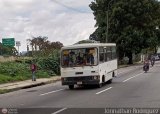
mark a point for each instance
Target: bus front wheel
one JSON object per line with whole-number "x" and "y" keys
{"x": 110, "y": 81}
{"x": 71, "y": 86}
{"x": 99, "y": 85}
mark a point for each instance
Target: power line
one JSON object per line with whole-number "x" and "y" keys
{"x": 68, "y": 7}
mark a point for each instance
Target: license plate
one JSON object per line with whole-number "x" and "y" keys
{"x": 79, "y": 82}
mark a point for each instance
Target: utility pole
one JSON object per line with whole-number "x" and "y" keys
{"x": 107, "y": 27}
{"x": 18, "y": 43}
{"x": 107, "y": 12}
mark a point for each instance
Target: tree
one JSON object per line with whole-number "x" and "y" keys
{"x": 41, "y": 44}
{"x": 85, "y": 41}
{"x": 131, "y": 24}
{"x": 38, "y": 42}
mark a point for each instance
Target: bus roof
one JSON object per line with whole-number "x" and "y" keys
{"x": 88, "y": 45}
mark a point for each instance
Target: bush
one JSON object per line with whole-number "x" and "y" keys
{"x": 20, "y": 69}
{"x": 42, "y": 74}
{"x": 50, "y": 64}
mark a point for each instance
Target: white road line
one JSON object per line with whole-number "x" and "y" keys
{"x": 51, "y": 92}
{"x": 133, "y": 77}
{"x": 103, "y": 90}
{"x": 59, "y": 111}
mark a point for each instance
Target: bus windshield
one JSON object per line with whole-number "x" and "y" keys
{"x": 79, "y": 57}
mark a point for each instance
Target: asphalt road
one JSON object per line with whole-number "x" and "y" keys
{"x": 132, "y": 88}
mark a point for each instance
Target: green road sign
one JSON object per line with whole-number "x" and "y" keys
{"x": 8, "y": 41}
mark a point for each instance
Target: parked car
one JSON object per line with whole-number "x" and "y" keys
{"x": 157, "y": 56}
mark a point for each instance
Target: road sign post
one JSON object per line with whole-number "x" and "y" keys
{"x": 18, "y": 43}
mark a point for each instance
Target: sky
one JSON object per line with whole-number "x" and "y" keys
{"x": 67, "y": 21}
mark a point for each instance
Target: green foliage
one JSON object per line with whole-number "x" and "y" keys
{"x": 41, "y": 46}
{"x": 86, "y": 41}
{"x": 2, "y": 91}
{"x": 42, "y": 74}
{"x": 7, "y": 50}
{"x": 51, "y": 64}
{"x": 131, "y": 26}
{"x": 20, "y": 69}
{"x": 14, "y": 69}
{"x": 7, "y": 78}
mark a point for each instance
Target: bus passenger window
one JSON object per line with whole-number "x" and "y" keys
{"x": 79, "y": 59}
{"x": 72, "y": 58}
{"x": 101, "y": 57}
{"x": 109, "y": 54}
{"x": 65, "y": 60}
{"x": 91, "y": 59}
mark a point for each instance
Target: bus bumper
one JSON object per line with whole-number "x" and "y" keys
{"x": 89, "y": 80}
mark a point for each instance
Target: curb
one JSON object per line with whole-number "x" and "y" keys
{"x": 40, "y": 83}
{"x": 29, "y": 86}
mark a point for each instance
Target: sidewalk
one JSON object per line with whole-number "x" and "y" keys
{"x": 27, "y": 83}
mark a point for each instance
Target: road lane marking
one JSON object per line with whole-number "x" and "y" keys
{"x": 133, "y": 77}
{"x": 103, "y": 90}
{"x": 136, "y": 75}
{"x": 59, "y": 111}
{"x": 51, "y": 92}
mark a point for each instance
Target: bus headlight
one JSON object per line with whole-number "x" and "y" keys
{"x": 63, "y": 79}
{"x": 96, "y": 77}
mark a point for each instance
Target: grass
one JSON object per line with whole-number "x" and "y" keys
{"x": 6, "y": 79}
{"x": 2, "y": 91}
{"x": 13, "y": 71}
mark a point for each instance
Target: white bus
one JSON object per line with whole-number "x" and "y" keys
{"x": 86, "y": 64}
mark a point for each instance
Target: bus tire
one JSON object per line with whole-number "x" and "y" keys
{"x": 71, "y": 86}
{"x": 110, "y": 81}
{"x": 99, "y": 85}
{"x": 103, "y": 79}
{"x": 113, "y": 74}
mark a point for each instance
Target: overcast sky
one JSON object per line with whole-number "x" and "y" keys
{"x": 67, "y": 21}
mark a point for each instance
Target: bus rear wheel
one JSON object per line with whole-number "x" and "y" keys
{"x": 71, "y": 86}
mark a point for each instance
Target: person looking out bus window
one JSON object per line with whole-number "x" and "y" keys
{"x": 79, "y": 59}
{"x": 91, "y": 59}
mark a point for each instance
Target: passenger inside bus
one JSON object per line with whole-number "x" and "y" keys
{"x": 89, "y": 57}
{"x": 79, "y": 59}
{"x": 65, "y": 60}
{"x": 72, "y": 59}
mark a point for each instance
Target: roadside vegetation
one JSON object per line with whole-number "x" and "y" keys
{"x": 2, "y": 91}
{"x": 47, "y": 60}
{"x": 134, "y": 25}
{"x": 19, "y": 69}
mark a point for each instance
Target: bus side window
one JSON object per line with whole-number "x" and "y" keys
{"x": 109, "y": 54}
{"x": 114, "y": 56}
{"x": 101, "y": 54}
